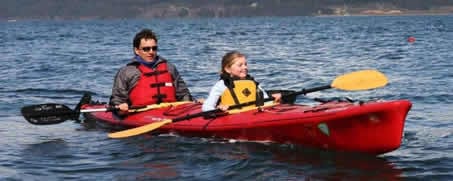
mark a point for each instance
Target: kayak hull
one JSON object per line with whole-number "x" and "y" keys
{"x": 371, "y": 127}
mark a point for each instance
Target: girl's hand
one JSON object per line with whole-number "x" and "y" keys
{"x": 277, "y": 97}
{"x": 222, "y": 107}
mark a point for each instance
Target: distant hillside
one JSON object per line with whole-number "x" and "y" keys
{"x": 119, "y": 9}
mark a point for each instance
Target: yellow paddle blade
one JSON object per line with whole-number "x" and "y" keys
{"x": 360, "y": 80}
{"x": 139, "y": 130}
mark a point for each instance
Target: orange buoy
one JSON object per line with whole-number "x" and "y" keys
{"x": 410, "y": 39}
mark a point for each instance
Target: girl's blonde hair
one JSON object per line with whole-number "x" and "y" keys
{"x": 228, "y": 60}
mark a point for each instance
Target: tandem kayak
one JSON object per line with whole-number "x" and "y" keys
{"x": 373, "y": 127}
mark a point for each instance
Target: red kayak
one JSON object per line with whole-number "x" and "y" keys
{"x": 373, "y": 127}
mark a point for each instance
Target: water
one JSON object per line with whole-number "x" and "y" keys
{"x": 56, "y": 61}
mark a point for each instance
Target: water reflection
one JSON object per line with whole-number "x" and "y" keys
{"x": 195, "y": 158}
{"x": 334, "y": 165}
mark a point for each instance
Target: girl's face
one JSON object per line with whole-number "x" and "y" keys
{"x": 238, "y": 68}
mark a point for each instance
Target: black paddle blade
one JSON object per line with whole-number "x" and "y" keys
{"x": 50, "y": 113}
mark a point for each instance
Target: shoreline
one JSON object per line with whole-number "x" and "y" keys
{"x": 402, "y": 14}
{"x": 387, "y": 12}
{"x": 14, "y": 20}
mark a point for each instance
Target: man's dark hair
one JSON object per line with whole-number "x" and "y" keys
{"x": 144, "y": 34}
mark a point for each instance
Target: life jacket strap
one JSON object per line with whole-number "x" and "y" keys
{"x": 161, "y": 84}
{"x": 159, "y": 97}
{"x": 155, "y": 73}
{"x": 233, "y": 94}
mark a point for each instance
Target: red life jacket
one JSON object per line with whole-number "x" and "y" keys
{"x": 154, "y": 86}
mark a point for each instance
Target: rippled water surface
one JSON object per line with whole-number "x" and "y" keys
{"x": 57, "y": 61}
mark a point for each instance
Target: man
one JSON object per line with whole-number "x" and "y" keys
{"x": 148, "y": 78}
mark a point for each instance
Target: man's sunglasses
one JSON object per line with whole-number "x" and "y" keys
{"x": 147, "y": 49}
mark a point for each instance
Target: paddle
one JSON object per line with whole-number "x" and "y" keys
{"x": 52, "y": 113}
{"x": 354, "y": 81}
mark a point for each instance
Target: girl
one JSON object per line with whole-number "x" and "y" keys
{"x": 235, "y": 85}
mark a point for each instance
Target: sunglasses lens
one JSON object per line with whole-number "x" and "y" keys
{"x": 147, "y": 49}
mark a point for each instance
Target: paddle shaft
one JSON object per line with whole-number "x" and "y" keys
{"x": 305, "y": 91}
{"x": 107, "y": 109}
{"x": 205, "y": 113}
{"x": 110, "y": 108}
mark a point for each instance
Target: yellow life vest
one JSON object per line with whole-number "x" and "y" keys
{"x": 244, "y": 91}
